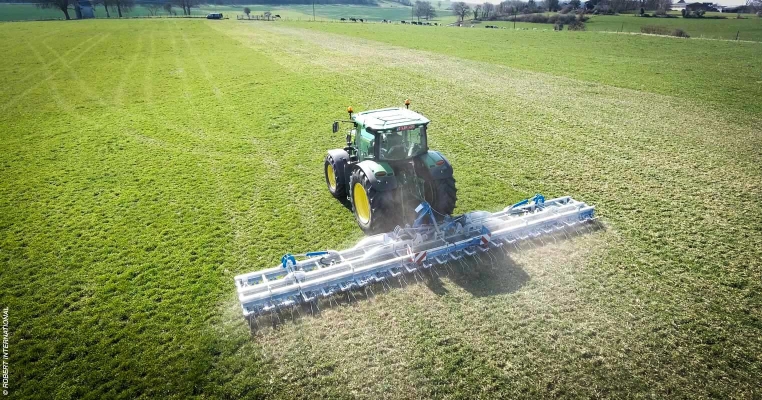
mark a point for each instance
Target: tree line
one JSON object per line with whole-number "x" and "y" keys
{"x": 172, "y": 7}
{"x": 508, "y": 8}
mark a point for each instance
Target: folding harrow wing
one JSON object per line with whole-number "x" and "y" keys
{"x": 377, "y": 258}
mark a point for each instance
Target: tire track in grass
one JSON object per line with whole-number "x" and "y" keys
{"x": 49, "y": 76}
{"x": 126, "y": 73}
{"x": 49, "y": 64}
{"x": 79, "y": 81}
{"x": 148, "y": 77}
{"x": 241, "y": 224}
{"x": 293, "y": 200}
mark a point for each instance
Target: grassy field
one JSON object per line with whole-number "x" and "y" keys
{"x": 144, "y": 163}
{"x": 748, "y": 28}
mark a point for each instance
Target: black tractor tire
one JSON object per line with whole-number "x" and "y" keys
{"x": 339, "y": 187}
{"x": 380, "y": 205}
{"x": 442, "y": 195}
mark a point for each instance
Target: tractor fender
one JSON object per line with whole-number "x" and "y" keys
{"x": 380, "y": 183}
{"x": 341, "y": 158}
{"x": 436, "y": 164}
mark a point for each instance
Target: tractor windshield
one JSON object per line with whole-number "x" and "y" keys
{"x": 402, "y": 145}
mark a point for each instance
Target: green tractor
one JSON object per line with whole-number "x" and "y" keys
{"x": 387, "y": 170}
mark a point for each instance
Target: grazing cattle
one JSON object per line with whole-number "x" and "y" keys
{"x": 384, "y": 21}
{"x": 276, "y": 16}
{"x": 403, "y": 22}
{"x": 362, "y": 20}
{"x": 436, "y": 24}
{"x": 343, "y": 19}
{"x": 353, "y": 19}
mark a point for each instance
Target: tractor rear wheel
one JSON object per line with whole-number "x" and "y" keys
{"x": 370, "y": 206}
{"x": 333, "y": 178}
{"x": 442, "y": 195}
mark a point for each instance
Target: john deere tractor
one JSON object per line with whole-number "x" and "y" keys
{"x": 387, "y": 170}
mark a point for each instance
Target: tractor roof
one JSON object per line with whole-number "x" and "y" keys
{"x": 389, "y": 118}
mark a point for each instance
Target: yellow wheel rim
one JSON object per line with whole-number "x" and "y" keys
{"x": 362, "y": 205}
{"x": 331, "y": 177}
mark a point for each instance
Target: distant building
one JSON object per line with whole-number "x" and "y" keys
{"x": 85, "y": 9}
{"x": 709, "y": 7}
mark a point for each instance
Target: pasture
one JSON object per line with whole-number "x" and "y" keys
{"x": 145, "y": 162}
{"x": 747, "y": 28}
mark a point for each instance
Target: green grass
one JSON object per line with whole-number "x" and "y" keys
{"x": 144, "y": 163}
{"x": 749, "y": 28}
{"x": 708, "y": 71}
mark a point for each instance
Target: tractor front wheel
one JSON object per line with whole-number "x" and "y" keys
{"x": 370, "y": 206}
{"x": 333, "y": 178}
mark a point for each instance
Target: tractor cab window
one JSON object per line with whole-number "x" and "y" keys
{"x": 401, "y": 145}
{"x": 366, "y": 143}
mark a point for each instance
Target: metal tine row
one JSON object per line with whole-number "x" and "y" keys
{"x": 416, "y": 270}
{"x": 347, "y": 288}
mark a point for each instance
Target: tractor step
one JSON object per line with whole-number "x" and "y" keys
{"x": 377, "y": 258}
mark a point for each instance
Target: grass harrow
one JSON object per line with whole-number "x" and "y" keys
{"x": 308, "y": 278}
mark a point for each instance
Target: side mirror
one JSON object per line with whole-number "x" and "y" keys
{"x": 335, "y": 126}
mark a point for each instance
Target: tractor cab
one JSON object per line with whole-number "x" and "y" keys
{"x": 390, "y": 134}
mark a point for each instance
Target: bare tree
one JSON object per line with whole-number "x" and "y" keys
{"x": 551, "y": 5}
{"x": 424, "y": 9}
{"x": 430, "y": 12}
{"x": 488, "y": 9}
{"x": 476, "y": 10}
{"x": 168, "y": 8}
{"x": 62, "y": 5}
{"x": 105, "y": 3}
{"x": 186, "y": 5}
{"x": 664, "y": 6}
{"x": 753, "y": 6}
{"x": 460, "y": 9}
{"x": 247, "y": 11}
{"x": 122, "y": 6}
{"x": 153, "y": 8}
